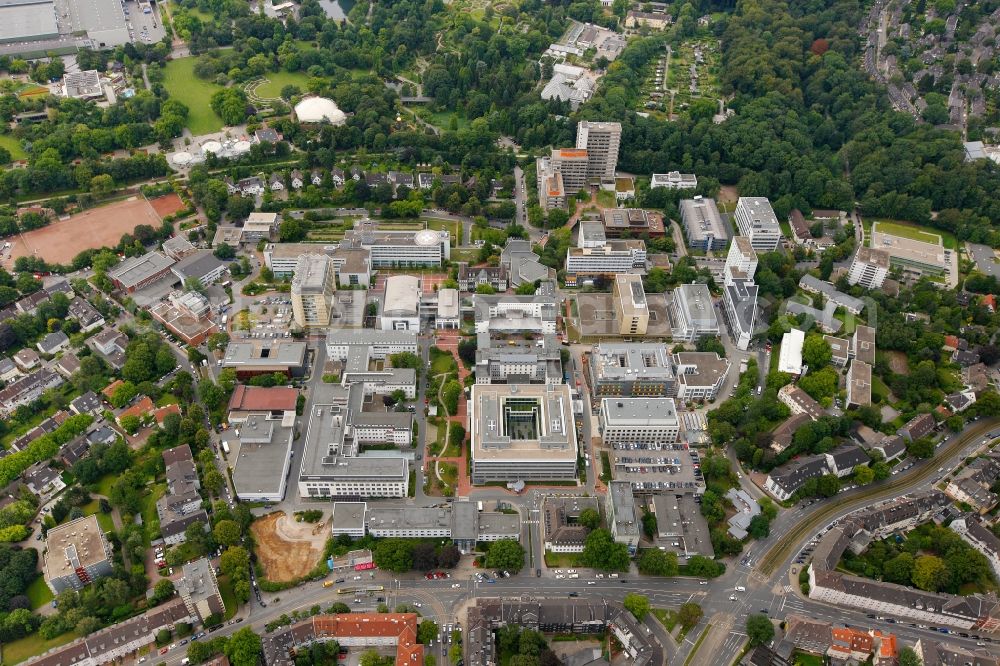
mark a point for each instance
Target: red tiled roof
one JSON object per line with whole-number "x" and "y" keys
{"x": 110, "y": 389}
{"x": 140, "y": 409}
{"x": 403, "y": 626}
{"x": 258, "y": 398}
{"x": 162, "y": 412}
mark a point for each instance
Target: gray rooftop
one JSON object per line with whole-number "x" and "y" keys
{"x": 626, "y": 516}
{"x": 135, "y": 270}
{"x": 348, "y": 516}
{"x": 696, "y": 302}
{"x": 702, "y": 219}
{"x": 629, "y": 361}
{"x": 27, "y": 20}
{"x": 312, "y": 274}
{"x": 197, "y": 264}
{"x": 494, "y": 430}
{"x": 264, "y": 449}
{"x": 329, "y": 452}
{"x": 408, "y": 518}
{"x": 811, "y": 283}
{"x": 743, "y": 294}
{"x": 250, "y": 354}
{"x": 640, "y": 412}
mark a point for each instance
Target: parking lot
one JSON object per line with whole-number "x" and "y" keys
{"x": 668, "y": 468}
{"x": 143, "y": 27}
{"x": 267, "y": 318}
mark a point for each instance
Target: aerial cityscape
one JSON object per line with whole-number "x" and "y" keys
{"x": 476, "y": 333}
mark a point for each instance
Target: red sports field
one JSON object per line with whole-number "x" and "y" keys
{"x": 168, "y": 204}
{"x": 62, "y": 240}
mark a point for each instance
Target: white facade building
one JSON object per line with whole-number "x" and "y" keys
{"x": 651, "y": 421}
{"x": 757, "y": 221}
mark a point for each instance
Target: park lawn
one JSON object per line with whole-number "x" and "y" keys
{"x": 442, "y": 362}
{"x": 103, "y": 487}
{"x": 103, "y": 519}
{"x": 228, "y": 596}
{"x": 14, "y": 652}
{"x": 804, "y": 659}
{"x": 449, "y": 474}
{"x": 148, "y": 504}
{"x": 443, "y": 120}
{"x": 167, "y": 399}
{"x": 278, "y": 80}
{"x": 917, "y": 233}
{"x": 39, "y": 593}
{"x": 606, "y": 198}
{"x": 879, "y": 388}
{"x": 13, "y": 146}
{"x": 185, "y": 87}
{"x": 560, "y": 560}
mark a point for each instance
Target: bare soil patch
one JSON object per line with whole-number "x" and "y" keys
{"x": 62, "y": 240}
{"x": 286, "y": 549}
{"x": 168, "y": 204}
{"x": 898, "y": 362}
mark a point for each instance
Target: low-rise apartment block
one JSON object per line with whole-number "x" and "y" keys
{"x": 250, "y": 358}
{"x": 859, "y": 384}
{"x": 77, "y": 554}
{"x": 673, "y": 180}
{"x": 869, "y": 268}
{"x": 784, "y": 481}
{"x": 800, "y": 402}
{"x": 973, "y": 484}
{"x": 199, "y": 589}
{"x": 26, "y": 390}
{"x": 632, "y": 222}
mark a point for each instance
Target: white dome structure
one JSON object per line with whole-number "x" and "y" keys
{"x": 182, "y": 158}
{"x": 319, "y": 110}
{"x": 241, "y": 147}
{"x": 211, "y": 147}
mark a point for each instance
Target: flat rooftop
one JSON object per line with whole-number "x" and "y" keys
{"x": 328, "y": 453}
{"x": 27, "y": 20}
{"x": 135, "y": 270}
{"x": 73, "y": 545}
{"x": 262, "y": 451}
{"x": 348, "y": 516}
{"x": 408, "y": 518}
{"x": 528, "y": 422}
{"x": 312, "y": 274}
{"x": 639, "y": 412}
{"x": 250, "y": 353}
{"x": 630, "y": 361}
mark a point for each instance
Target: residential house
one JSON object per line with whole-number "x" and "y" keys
{"x": 26, "y": 359}
{"x": 276, "y": 183}
{"x": 296, "y": 179}
{"x": 53, "y": 343}
{"x": 919, "y": 426}
{"x": 85, "y": 314}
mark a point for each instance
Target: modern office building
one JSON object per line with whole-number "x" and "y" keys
{"x": 137, "y": 272}
{"x": 260, "y": 226}
{"x": 703, "y": 224}
{"x": 617, "y": 256}
{"x": 76, "y": 554}
{"x": 674, "y": 180}
{"x": 201, "y": 265}
{"x": 756, "y": 220}
{"x": 601, "y": 140}
{"x": 250, "y": 358}
{"x": 632, "y": 369}
{"x": 313, "y": 288}
{"x": 700, "y": 375}
{"x": 342, "y": 343}
{"x": 741, "y": 262}
{"x": 739, "y": 298}
{"x": 522, "y": 432}
{"x": 505, "y": 313}
{"x": 693, "y": 313}
{"x": 624, "y": 519}
{"x": 333, "y": 462}
{"x": 632, "y": 222}
{"x": 400, "y": 249}
{"x": 401, "y": 308}
{"x": 523, "y": 362}
{"x": 350, "y": 264}
{"x": 199, "y": 589}
{"x": 914, "y": 257}
{"x": 591, "y": 234}
{"x": 261, "y": 455}
{"x": 869, "y": 268}
{"x": 631, "y": 307}
{"x": 648, "y": 421}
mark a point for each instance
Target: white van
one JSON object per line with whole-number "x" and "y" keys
{"x": 740, "y": 588}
